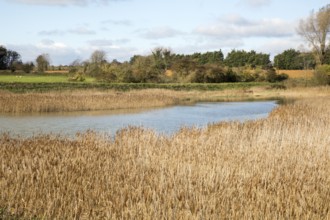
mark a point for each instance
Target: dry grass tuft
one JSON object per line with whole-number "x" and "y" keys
{"x": 277, "y": 167}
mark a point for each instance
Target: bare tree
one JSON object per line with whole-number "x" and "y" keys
{"x": 315, "y": 30}
{"x": 98, "y": 56}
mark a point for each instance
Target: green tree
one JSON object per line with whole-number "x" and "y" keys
{"x": 315, "y": 29}
{"x": 28, "y": 67}
{"x": 144, "y": 70}
{"x": 95, "y": 66}
{"x": 236, "y": 58}
{"x": 8, "y": 58}
{"x": 43, "y": 62}
{"x": 162, "y": 58}
{"x": 215, "y": 57}
{"x": 12, "y": 58}
{"x": 183, "y": 65}
{"x": 288, "y": 60}
{"x": 240, "y": 58}
{"x": 257, "y": 59}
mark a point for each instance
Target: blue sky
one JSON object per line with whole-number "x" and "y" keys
{"x": 72, "y": 29}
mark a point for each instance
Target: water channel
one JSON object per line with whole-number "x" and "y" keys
{"x": 163, "y": 120}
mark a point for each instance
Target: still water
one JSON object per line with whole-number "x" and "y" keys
{"x": 163, "y": 120}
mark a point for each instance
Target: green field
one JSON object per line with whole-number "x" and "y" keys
{"x": 29, "y": 78}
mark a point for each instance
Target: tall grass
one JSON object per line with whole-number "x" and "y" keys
{"x": 87, "y": 100}
{"x": 84, "y": 100}
{"x": 275, "y": 168}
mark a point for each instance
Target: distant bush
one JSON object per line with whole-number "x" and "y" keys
{"x": 77, "y": 77}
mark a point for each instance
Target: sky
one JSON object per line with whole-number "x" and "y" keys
{"x": 68, "y": 30}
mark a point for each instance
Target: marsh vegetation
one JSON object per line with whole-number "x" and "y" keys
{"x": 275, "y": 167}
{"x": 92, "y": 99}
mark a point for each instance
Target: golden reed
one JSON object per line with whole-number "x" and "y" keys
{"x": 85, "y": 100}
{"x": 274, "y": 168}
{"x": 93, "y": 100}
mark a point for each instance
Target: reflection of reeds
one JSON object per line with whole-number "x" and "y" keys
{"x": 92, "y": 100}
{"x": 277, "y": 167}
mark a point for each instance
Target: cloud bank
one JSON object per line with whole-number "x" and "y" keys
{"x": 256, "y": 3}
{"x": 160, "y": 33}
{"x": 235, "y": 26}
{"x": 63, "y": 2}
{"x": 76, "y": 30}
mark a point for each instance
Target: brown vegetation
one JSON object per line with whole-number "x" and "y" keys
{"x": 277, "y": 167}
{"x": 57, "y": 71}
{"x": 92, "y": 100}
{"x": 84, "y": 100}
{"x": 298, "y": 73}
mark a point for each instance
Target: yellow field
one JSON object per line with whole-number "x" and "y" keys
{"x": 298, "y": 73}
{"x": 274, "y": 168}
{"x": 57, "y": 71}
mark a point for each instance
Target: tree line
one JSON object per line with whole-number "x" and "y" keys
{"x": 11, "y": 60}
{"x": 164, "y": 66}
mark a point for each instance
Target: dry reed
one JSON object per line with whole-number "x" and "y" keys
{"x": 89, "y": 100}
{"x": 93, "y": 100}
{"x": 275, "y": 168}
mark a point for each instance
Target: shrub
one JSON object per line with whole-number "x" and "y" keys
{"x": 78, "y": 77}
{"x": 322, "y": 75}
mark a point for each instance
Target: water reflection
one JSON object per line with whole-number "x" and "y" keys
{"x": 163, "y": 120}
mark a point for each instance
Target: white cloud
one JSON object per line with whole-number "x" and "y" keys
{"x": 107, "y": 43}
{"x": 63, "y": 54}
{"x": 101, "y": 43}
{"x": 63, "y": 2}
{"x": 52, "y": 32}
{"x": 205, "y": 44}
{"x": 118, "y": 22}
{"x": 77, "y": 30}
{"x": 59, "y": 52}
{"x": 52, "y": 2}
{"x": 160, "y": 32}
{"x": 81, "y": 31}
{"x": 256, "y": 3}
{"x": 51, "y": 45}
{"x": 234, "y": 26}
{"x": 277, "y": 46}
